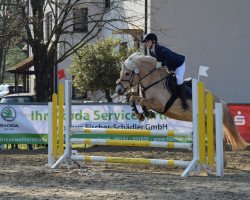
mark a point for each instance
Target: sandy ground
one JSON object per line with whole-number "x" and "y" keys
{"x": 23, "y": 175}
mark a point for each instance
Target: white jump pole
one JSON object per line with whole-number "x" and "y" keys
{"x": 68, "y": 94}
{"x": 51, "y": 159}
{"x": 193, "y": 166}
{"x": 219, "y": 139}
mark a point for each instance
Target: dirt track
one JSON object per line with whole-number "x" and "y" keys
{"x": 23, "y": 175}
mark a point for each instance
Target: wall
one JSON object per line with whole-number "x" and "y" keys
{"x": 214, "y": 33}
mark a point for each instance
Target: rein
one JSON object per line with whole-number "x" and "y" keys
{"x": 146, "y": 75}
{"x": 144, "y": 89}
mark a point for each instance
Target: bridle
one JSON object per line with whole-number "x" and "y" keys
{"x": 131, "y": 79}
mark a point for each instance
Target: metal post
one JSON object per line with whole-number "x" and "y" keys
{"x": 50, "y": 156}
{"x": 219, "y": 139}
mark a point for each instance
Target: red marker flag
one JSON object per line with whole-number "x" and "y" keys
{"x": 61, "y": 74}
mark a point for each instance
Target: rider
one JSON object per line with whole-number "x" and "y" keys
{"x": 171, "y": 60}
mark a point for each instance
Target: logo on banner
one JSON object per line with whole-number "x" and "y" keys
{"x": 8, "y": 114}
{"x": 239, "y": 119}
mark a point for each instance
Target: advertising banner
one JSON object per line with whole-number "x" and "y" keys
{"x": 23, "y": 124}
{"x": 241, "y": 115}
{"x": 28, "y": 124}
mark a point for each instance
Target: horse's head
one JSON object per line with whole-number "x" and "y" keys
{"x": 134, "y": 70}
{"x": 129, "y": 75}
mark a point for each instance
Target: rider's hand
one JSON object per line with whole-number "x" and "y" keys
{"x": 158, "y": 65}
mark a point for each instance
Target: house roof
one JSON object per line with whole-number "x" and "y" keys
{"x": 22, "y": 67}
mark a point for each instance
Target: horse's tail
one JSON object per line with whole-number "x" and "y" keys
{"x": 230, "y": 129}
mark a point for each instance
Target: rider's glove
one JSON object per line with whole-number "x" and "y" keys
{"x": 158, "y": 65}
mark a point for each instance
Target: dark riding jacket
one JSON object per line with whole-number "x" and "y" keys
{"x": 167, "y": 57}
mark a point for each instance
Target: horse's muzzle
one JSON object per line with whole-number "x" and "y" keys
{"x": 120, "y": 90}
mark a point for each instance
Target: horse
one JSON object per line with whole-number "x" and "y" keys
{"x": 156, "y": 96}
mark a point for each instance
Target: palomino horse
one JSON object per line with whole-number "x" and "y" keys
{"x": 140, "y": 69}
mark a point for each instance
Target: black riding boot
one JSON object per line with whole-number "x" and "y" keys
{"x": 182, "y": 93}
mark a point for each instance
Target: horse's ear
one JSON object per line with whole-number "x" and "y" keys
{"x": 122, "y": 63}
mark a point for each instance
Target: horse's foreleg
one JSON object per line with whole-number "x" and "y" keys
{"x": 133, "y": 100}
{"x": 148, "y": 114}
{"x": 148, "y": 104}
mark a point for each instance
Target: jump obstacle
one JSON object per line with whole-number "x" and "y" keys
{"x": 203, "y": 144}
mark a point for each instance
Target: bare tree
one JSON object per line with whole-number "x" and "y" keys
{"x": 65, "y": 18}
{"x": 9, "y": 34}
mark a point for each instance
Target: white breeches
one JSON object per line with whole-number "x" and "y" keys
{"x": 179, "y": 72}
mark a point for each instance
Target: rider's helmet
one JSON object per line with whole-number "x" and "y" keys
{"x": 150, "y": 36}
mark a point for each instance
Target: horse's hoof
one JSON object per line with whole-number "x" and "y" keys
{"x": 152, "y": 115}
{"x": 140, "y": 117}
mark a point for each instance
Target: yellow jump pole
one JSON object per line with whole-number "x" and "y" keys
{"x": 201, "y": 122}
{"x": 54, "y": 125}
{"x": 61, "y": 119}
{"x": 210, "y": 128}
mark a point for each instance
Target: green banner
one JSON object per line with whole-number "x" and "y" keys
{"x": 23, "y": 138}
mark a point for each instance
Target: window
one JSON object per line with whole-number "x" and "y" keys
{"x": 107, "y": 3}
{"x": 80, "y": 17}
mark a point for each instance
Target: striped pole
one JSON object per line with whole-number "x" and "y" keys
{"x": 109, "y": 142}
{"x": 124, "y": 160}
{"x": 112, "y": 131}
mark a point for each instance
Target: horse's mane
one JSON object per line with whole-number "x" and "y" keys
{"x": 137, "y": 59}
